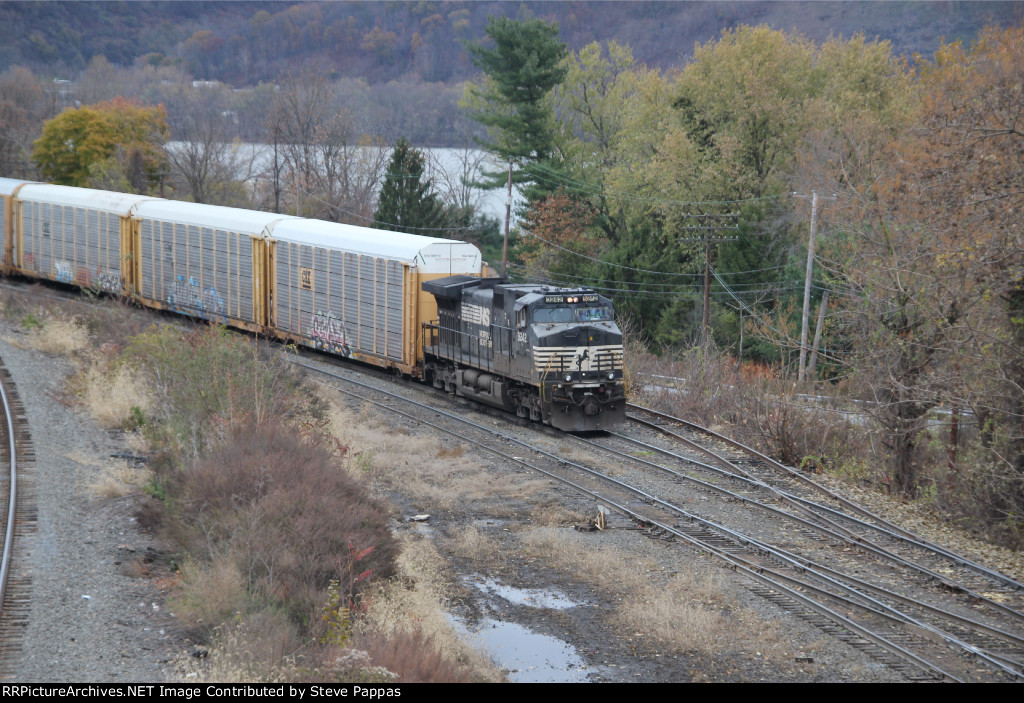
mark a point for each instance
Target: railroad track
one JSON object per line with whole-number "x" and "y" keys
{"x": 772, "y": 473}
{"x": 18, "y": 491}
{"x": 953, "y": 598}
{"x": 852, "y": 524}
{"x": 836, "y": 602}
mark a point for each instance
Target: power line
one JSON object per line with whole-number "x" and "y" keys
{"x": 557, "y": 178}
{"x": 746, "y": 307}
{"x": 686, "y": 290}
{"x": 653, "y": 284}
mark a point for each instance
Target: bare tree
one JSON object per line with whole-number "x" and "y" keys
{"x": 332, "y": 171}
{"x": 101, "y": 81}
{"x": 204, "y": 157}
{"x": 453, "y": 174}
{"x": 23, "y": 108}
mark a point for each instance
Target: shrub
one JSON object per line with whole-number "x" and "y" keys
{"x": 292, "y": 519}
{"x": 207, "y": 381}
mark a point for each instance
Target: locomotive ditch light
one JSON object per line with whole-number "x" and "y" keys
{"x": 568, "y": 378}
{"x": 611, "y": 375}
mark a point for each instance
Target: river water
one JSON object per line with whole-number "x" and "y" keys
{"x": 447, "y": 167}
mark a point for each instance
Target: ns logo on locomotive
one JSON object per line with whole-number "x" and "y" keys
{"x": 414, "y": 305}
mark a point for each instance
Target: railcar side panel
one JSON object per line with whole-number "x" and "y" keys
{"x": 73, "y": 235}
{"x": 341, "y": 302}
{"x": 212, "y": 274}
{"x": 70, "y": 244}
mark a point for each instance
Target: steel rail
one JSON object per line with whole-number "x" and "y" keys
{"x": 830, "y": 575}
{"x": 896, "y": 529}
{"x": 12, "y": 497}
{"x": 836, "y": 531}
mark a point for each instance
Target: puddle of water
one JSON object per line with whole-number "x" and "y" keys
{"x": 529, "y": 657}
{"x": 531, "y": 597}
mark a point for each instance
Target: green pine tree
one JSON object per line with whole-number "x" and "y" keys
{"x": 520, "y": 71}
{"x": 407, "y": 202}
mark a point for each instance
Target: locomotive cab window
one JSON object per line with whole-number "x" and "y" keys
{"x": 599, "y": 313}
{"x": 553, "y": 315}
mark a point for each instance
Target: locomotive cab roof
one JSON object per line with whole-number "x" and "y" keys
{"x": 451, "y": 288}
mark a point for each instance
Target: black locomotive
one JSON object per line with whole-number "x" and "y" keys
{"x": 551, "y": 354}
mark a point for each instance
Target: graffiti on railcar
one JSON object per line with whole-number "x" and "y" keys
{"x": 185, "y": 296}
{"x": 62, "y": 270}
{"x": 108, "y": 281}
{"x": 329, "y": 334}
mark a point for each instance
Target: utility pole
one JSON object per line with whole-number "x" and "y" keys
{"x": 817, "y": 334}
{"x": 708, "y": 229}
{"x": 807, "y": 284}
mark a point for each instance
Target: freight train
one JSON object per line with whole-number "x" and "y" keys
{"x": 416, "y": 305}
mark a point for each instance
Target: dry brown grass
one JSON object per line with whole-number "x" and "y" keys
{"x": 436, "y": 475}
{"x": 471, "y": 543}
{"x": 683, "y": 612}
{"x": 415, "y": 601}
{"x": 554, "y": 515}
{"x": 580, "y": 554}
{"x": 119, "y": 479}
{"x": 409, "y": 657}
{"x": 451, "y": 452}
{"x": 210, "y": 594}
{"x": 58, "y": 334}
{"x": 259, "y": 648}
{"x": 110, "y": 394}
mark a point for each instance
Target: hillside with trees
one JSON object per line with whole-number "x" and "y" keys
{"x": 688, "y": 198}
{"x": 244, "y": 43}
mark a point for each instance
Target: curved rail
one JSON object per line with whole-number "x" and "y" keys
{"x": 12, "y": 496}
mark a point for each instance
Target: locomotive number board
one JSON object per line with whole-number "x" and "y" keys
{"x": 568, "y": 299}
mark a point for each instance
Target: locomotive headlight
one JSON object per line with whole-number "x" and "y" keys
{"x": 568, "y": 378}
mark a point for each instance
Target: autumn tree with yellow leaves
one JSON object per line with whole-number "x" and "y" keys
{"x": 117, "y": 145}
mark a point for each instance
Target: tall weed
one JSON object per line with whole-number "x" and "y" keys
{"x": 115, "y": 397}
{"x": 57, "y": 334}
{"x": 207, "y": 381}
